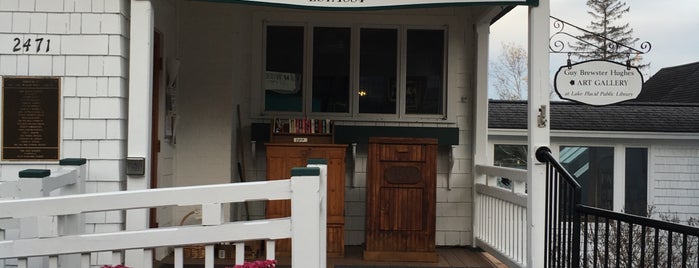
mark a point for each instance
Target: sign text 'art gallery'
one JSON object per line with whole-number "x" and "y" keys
{"x": 598, "y": 82}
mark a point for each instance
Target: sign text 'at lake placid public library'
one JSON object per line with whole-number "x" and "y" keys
{"x": 30, "y": 118}
{"x": 598, "y": 82}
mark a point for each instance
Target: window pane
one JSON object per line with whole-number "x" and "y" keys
{"x": 425, "y": 70}
{"x": 284, "y": 69}
{"x": 377, "y": 70}
{"x": 636, "y": 181}
{"x": 513, "y": 156}
{"x": 593, "y": 167}
{"x": 331, "y": 67}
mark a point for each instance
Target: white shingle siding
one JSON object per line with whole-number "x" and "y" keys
{"x": 5, "y": 22}
{"x": 49, "y": 5}
{"x": 675, "y": 185}
{"x": 85, "y": 45}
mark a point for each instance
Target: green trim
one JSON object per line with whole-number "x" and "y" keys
{"x": 317, "y": 161}
{"x": 361, "y": 134}
{"x": 407, "y": 6}
{"x": 305, "y": 171}
{"x": 72, "y": 161}
{"x": 34, "y": 173}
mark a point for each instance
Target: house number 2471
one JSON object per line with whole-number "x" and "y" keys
{"x": 37, "y": 45}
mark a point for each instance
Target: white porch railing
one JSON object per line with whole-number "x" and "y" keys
{"x": 67, "y": 180}
{"x": 303, "y": 189}
{"x": 501, "y": 215}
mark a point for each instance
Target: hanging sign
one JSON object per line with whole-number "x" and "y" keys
{"x": 598, "y": 82}
{"x": 363, "y": 4}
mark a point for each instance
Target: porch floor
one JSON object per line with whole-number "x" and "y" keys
{"x": 448, "y": 257}
{"x": 458, "y": 257}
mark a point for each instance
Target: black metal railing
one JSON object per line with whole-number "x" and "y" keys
{"x": 584, "y": 236}
{"x": 562, "y": 220}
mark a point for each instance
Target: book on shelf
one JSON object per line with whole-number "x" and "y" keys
{"x": 302, "y": 126}
{"x": 302, "y": 130}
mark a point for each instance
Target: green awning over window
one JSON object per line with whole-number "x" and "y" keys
{"x": 374, "y": 4}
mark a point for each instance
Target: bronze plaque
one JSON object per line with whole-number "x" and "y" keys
{"x": 30, "y": 123}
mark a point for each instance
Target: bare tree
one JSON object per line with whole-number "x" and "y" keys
{"x": 509, "y": 73}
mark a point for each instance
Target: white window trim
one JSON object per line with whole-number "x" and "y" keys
{"x": 262, "y": 19}
{"x": 619, "y": 183}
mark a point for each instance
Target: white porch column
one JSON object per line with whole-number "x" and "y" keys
{"x": 480, "y": 112}
{"x": 539, "y": 134}
{"x": 139, "y": 120}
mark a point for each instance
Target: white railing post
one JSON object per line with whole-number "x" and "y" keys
{"x": 538, "y": 129}
{"x": 305, "y": 218}
{"x": 72, "y": 224}
{"x": 322, "y": 165}
{"x": 30, "y": 185}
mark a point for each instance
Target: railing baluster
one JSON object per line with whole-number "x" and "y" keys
{"x": 596, "y": 238}
{"x": 618, "y": 243}
{"x": 53, "y": 261}
{"x": 179, "y": 258}
{"x": 642, "y": 263}
{"x": 655, "y": 248}
{"x": 684, "y": 250}
{"x": 547, "y": 234}
{"x": 269, "y": 246}
{"x": 606, "y": 243}
{"x": 240, "y": 253}
{"x": 630, "y": 249}
{"x": 85, "y": 260}
{"x": 584, "y": 253}
{"x": 669, "y": 249}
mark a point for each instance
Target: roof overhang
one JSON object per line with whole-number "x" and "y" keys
{"x": 374, "y": 4}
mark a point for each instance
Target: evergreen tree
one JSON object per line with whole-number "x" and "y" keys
{"x": 606, "y": 39}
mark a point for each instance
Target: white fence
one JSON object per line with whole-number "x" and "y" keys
{"x": 303, "y": 227}
{"x": 67, "y": 180}
{"x": 501, "y": 215}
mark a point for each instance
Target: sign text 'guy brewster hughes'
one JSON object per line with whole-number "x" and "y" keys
{"x": 598, "y": 82}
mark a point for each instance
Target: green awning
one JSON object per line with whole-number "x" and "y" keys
{"x": 374, "y": 4}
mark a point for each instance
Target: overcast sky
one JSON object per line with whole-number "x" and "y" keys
{"x": 671, "y": 26}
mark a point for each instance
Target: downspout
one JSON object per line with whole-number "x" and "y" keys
{"x": 539, "y": 130}
{"x": 139, "y": 114}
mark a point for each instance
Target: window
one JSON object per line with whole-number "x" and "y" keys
{"x": 378, "y": 71}
{"x": 593, "y": 167}
{"x": 331, "y": 70}
{"x": 399, "y": 71}
{"x": 513, "y": 156}
{"x": 636, "y": 193}
{"x": 425, "y": 72}
{"x": 284, "y": 69}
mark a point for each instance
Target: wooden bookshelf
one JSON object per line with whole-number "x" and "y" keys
{"x": 302, "y": 130}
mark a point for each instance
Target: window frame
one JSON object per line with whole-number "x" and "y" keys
{"x": 619, "y": 179}
{"x": 402, "y": 26}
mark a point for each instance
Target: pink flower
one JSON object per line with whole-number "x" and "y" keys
{"x": 257, "y": 264}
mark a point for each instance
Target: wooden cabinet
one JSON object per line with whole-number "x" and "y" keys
{"x": 281, "y": 157}
{"x": 401, "y": 202}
